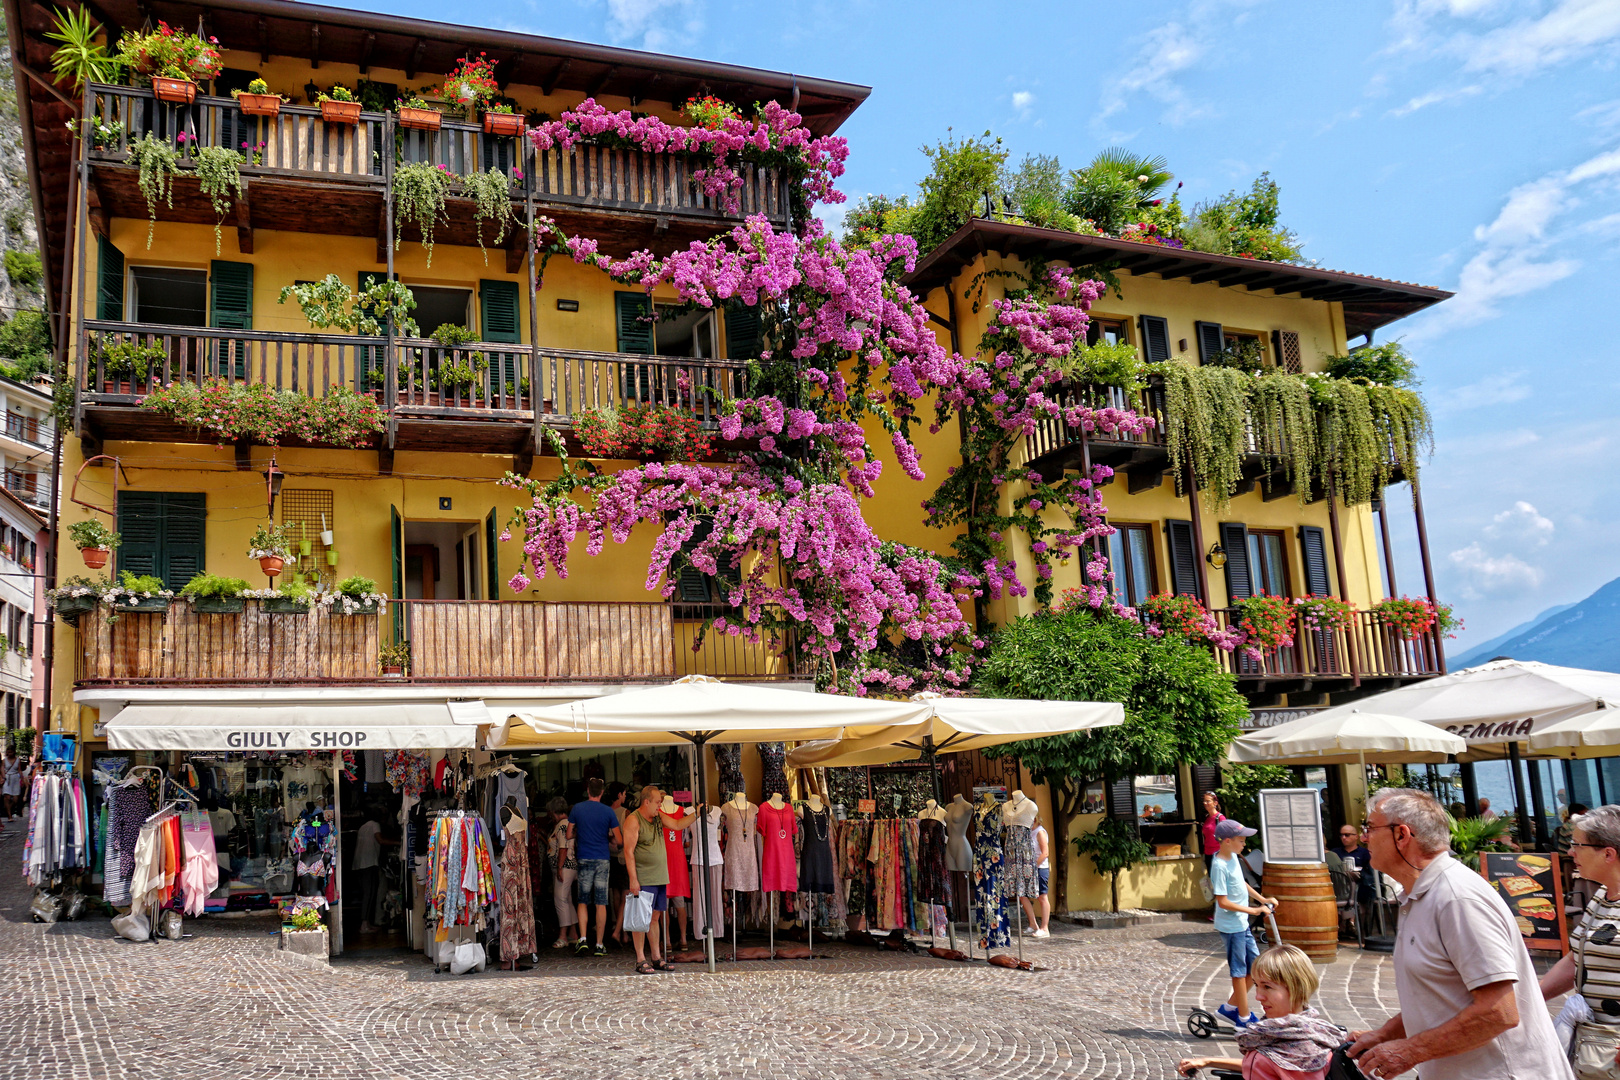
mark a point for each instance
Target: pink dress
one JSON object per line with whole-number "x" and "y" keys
{"x": 778, "y": 871}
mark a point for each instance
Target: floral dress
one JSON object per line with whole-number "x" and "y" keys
{"x": 517, "y": 900}
{"x": 994, "y": 930}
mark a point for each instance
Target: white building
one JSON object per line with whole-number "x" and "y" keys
{"x": 27, "y": 435}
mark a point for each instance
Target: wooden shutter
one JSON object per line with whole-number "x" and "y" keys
{"x": 109, "y": 282}
{"x": 1313, "y": 557}
{"x": 633, "y": 315}
{"x": 1122, "y": 798}
{"x": 230, "y": 307}
{"x": 492, "y": 556}
{"x": 1239, "y": 575}
{"x": 1155, "y": 338}
{"x": 498, "y": 317}
{"x": 1285, "y": 351}
{"x": 1183, "y": 558}
{"x": 1205, "y": 778}
{"x": 1210, "y": 340}
{"x": 693, "y": 586}
{"x": 742, "y": 331}
{"x": 162, "y": 533}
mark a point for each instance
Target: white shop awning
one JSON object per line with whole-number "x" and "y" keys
{"x": 391, "y": 725}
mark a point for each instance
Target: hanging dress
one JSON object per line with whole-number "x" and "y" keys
{"x": 988, "y": 897}
{"x": 931, "y": 861}
{"x": 816, "y": 860}
{"x": 517, "y": 898}
{"x": 1019, "y": 877}
{"x": 777, "y": 829}
{"x": 742, "y": 869}
{"x": 728, "y": 759}
{"x": 680, "y": 882}
{"x": 772, "y": 755}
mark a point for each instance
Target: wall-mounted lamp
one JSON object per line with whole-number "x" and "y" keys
{"x": 273, "y": 478}
{"x": 311, "y": 91}
{"x": 1216, "y": 556}
{"x": 567, "y": 305}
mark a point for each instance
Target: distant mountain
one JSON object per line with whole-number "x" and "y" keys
{"x": 1493, "y": 648}
{"x": 1584, "y": 635}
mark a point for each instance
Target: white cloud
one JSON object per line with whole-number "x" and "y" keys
{"x": 1023, "y": 101}
{"x": 1522, "y": 523}
{"x": 1569, "y": 31}
{"x": 1503, "y": 389}
{"x": 1166, "y": 52}
{"x": 1437, "y": 97}
{"x": 1516, "y": 254}
{"x": 1483, "y": 573}
{"x": 658, "y": 23}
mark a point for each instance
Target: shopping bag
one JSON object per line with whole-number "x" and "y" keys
{"x": 638, "y": 908}
{"x": 132, "y": 926}
{"x": 468, "y": 957}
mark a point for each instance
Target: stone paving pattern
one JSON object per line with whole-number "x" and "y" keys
{"x": 78, "y": 1002}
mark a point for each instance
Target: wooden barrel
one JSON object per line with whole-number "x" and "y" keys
{"x": 1307, "y": 913}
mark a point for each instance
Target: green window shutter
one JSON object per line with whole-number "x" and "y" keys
{"x": 1155, "y": 338}
{"x": 1313, "y": 548}
{"x": 742, "y": 331}
{"x": 498, "y": 318}
{"x": 492, "y": 556}
{"x": 230, "y": 307}
{"x": 633, "y": 315}
{"x": 692, "y": 586}
{"x": 1239, "y": 577}
{"x": 109, "y": 282}
{"x": 1210, "y": 340}
{"x": 163, "y": 533}
{"x": 1183, "y": 559}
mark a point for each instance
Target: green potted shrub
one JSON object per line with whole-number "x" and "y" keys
{"x": 141, "y": 592}
{"x": 292, "y": 597}
{"x": 78, "y": 595}
{"x": 94, "y": 540}
{"x": 395, "y": 658}
{"x": 338, "y": 106}
{"x": 257, "y": 100}
{"x": 358, "y": 596}
{"x": 211, "y": 594}
{"x": 270, "y": 546}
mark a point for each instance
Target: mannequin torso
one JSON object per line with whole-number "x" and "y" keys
{"x": 932, "y": 812}
{"x": 1019, "y": 810}
{"x": 958, "y": 847}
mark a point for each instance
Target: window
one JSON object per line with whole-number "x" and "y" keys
{"x": 693, "y": 586}
{"x": 1106, "y": 332}
{"x": 1130, "y": 556}
{"x": 691, "y": 333}
{"x": 162, "y": 533}
{"x": 168, "y": 296}
{"x": 1268, "y": 569}
{"x": 437, "y": 306}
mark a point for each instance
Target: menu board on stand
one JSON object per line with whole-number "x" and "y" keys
{"x": 1534, "y": 891}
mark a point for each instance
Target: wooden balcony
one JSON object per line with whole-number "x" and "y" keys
{"x": 332, "y": 178}
{"x": 522, "y": 388}
{"x": 451, "y": 641}
{"x": 1368, "y": 651}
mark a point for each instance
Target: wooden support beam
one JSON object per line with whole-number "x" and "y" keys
{"x": 601, "y": 80}
{"x": 645, "y": 90}
{"x": 504, "y": 69}
{"x": 314, "y": 46}
{"x": 244, "y": 455}
{"x": 517, "y": 246}
{"x": 416, "y": 59}
{"x": 382, "y": 230}
{"x": 1277, "y": 489}
{"x": 244, "y": 221}
{"x": 557, "y": 73}
{"x": 264, "y": 40}
{"x": 89, "y": 444}
{"x": 368, "y": 45}
{"x": 523, "y": 460}
{"x": 1142, "y": 478}
{"x": 45, "y": 83}
{"x": 385, "y": 461}
{"x": 98, "y": 212}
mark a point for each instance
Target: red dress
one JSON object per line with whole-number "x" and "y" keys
{"x": 778, "y": 871}
{"x": 680, "y": 879}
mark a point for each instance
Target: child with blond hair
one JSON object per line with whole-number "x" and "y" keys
{"x": 1293, "y": 1042}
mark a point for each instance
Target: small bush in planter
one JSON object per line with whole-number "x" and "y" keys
{"x": 78, "y": 594}
{"x": 94, "y": 541}
{"x": 292, "y": 596}
{"x": 269, "y": 542}
{"x": 358, "y": 596}
{"x": 211, "y": 593}
{"x": 141, "y": 592}
{"x": 396, "y": 655}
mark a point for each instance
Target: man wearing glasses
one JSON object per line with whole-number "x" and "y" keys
{"x": 1352, "y": 851}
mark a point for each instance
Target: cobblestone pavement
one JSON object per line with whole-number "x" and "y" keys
{"x": 75, "y": 1001}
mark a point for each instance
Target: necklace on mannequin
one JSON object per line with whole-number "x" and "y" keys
{"x": 821, "y": 822}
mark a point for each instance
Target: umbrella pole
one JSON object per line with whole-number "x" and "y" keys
{"x": 773, "y": 926}
{"x": 703, "y": 838}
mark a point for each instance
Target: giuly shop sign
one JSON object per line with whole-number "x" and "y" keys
{"x": 284, "y": 740}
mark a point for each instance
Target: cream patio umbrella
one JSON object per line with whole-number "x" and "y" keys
{"x": 1347, "y": 736}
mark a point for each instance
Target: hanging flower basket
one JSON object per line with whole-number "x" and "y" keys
{"x": 142, "y": 603}
{"x": 176, "y": 91}
{"x": 421, "y": 119}
{"x": 285, "y": 605}
{"x": 340, "y": 112}
{"x": 271, "y": 565}
{"x": 218, "y": 605}
{"x": 95, "y": 557}
{"x": 71, "y": 607}
{"x": 503, "y": 123}
{"x": 260, "y": 104}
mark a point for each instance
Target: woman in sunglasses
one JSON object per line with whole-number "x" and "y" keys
{"x": 1594, "y": 942}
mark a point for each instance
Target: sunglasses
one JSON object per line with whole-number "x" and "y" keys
{"x": 1594, "y": 847}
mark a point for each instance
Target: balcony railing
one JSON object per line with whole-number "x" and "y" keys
{"x": 31, "y": 488}
{"x": 27, "y": 429}
{"x": 1369, "y": 648}
{"x": 450, "y": 641}
{"x": 1053, "y": 434}
{"x": 414, "y": 378}
{"x": 298, "y": 144}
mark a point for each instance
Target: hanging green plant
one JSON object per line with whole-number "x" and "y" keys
{"x": 420, "y": 190}
{"x": 158, "y": 162}
{"x": 331, "y": 303}
{"x": 1350, "y": 445}
{"x": 491, "y": 193}
{"x": 1206, "y": 421}
{"x": 1285, "y": 427}
{"x": 1401, "y": 421}
{"x": 220, "y": 178}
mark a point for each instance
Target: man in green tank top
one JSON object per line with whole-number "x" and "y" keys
{"x": 647, "y": 862}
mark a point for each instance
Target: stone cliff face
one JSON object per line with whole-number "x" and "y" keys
{"x": 18, "y": 236}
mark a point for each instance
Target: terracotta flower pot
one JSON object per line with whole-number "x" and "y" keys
{"x": 95, "y": 558}
{"x": 340, "y": 112}
{"x": 177, "y": 91}
{"x": 421, "y": 119}
{"x": 271, "y": 565}
{"x": 259, "y": 104}
{"x": 396, "y": 670}
{"x": 503, "y": 123}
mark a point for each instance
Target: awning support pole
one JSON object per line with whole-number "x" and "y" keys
{"x": 698, "y": 741}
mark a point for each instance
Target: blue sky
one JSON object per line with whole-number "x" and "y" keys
{"x": 1469, "y": 144}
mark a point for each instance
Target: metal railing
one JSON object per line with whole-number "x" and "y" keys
{"x": 1054, "y": 433}
{"x": 449, "y": 640}
{"x": 297, "y": 143}
{"x": 29, "y": 430}
{"x": 32, "y": 488}
{"x": 1369, "y": 648}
